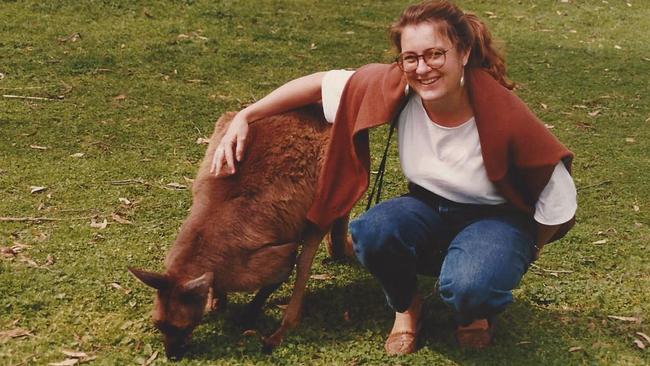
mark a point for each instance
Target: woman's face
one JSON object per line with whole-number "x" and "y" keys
{"x": 434, "y": 86}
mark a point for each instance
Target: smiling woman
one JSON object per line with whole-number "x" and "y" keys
{"x": 489, "y": 186}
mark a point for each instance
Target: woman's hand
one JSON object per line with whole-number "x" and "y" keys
{"x": 294, "y": 94}
{"x": 230, "y": 148}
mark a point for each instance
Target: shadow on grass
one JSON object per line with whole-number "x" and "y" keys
{"x": 525, "y": 334}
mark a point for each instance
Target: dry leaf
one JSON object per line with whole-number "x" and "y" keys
{"x": 644, "y": 336}
{"x": 313, "y": 46}
{"x": 639, "y": 343}
{"x": 120, "y": 97}
{"x": 150, "y": 359}
{"x": 600, "y": 241}
{"x": 594, "y": 113}
{"x": 544, "y": 106}
{"x": 524, "y": 342}
{"x": 37, "y": 147}
{"x": 175, "y": 185}
{"x": 2, "y": 76}
{"x": 125, "y": 201}
{"x": 117, "y": 218}
{"x": 323, "y": 276}
{"x": 624, "y": 318}
{"x": 74, "y": 37}
{"x": 49, "y": 261}
{"x": 574, "y": 349}
{"x": 7, "y": 252}
{"x": 98, "y": 225}
{"x": 618, "y": 47}
{"x": 66, "y": 362}
{"x": 36, "y": 189}
{"x": 77, "y": 155}
{"x": 549, "y": 126}
{"x": 202, "y": 141}
{"x": 15, "y": 333}
{"x": 75, "y": 354}
{"x": 249, "y": 333}
{"x": 630, "y": 140}
{"x": 119, "y": 287}
{"x": 29, "y": 262}
{"x": 636, "y": 208}
{"x": 282, "y": 306}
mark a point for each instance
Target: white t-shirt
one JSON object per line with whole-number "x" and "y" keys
{"x": 448, "y": 162}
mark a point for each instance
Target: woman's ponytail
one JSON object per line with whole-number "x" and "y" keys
{"x": 483, "y": 53}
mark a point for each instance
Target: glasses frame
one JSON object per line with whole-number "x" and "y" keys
{"x": 400, "y": 62}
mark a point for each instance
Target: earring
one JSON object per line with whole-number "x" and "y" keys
{"x": 462, "y": 78}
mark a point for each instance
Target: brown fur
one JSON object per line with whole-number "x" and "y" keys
{"x": 243, "y": 231}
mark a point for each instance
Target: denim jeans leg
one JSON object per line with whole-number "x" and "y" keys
{"x": 484, "y": 262}
{"x": 389, "y": 239}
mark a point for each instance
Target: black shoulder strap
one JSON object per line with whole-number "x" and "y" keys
{"x": 379, "y": 178}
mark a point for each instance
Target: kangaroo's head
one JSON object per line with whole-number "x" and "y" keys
{"x": 178, "y": 307}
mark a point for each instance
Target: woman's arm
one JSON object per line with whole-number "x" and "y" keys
{"x": 556, "y": 205}
{"x": 294, "y": 94}
{"x": 544, "y": 234}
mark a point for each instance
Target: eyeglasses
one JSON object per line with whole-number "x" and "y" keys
{"x": 434, "y": 58}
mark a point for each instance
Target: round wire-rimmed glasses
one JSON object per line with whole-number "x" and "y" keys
{"x": 434, "y": 58}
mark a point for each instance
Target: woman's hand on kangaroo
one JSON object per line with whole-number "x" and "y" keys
{"x": 230, "y": 148}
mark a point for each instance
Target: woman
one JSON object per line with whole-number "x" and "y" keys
{"x": 489, "y": 186}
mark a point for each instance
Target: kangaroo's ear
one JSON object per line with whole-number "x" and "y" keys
{"x": 156, "y": 280}
{"x": 199, "y": 285}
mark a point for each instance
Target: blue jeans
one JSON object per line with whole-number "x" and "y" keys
{"x": 479, "y": 252}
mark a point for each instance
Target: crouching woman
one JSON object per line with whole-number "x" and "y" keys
{"x": 489, "y": 185}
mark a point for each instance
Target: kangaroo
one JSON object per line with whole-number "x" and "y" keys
{"x": 243, "y": 231}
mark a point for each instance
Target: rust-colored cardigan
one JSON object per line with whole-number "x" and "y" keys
{"x": 518, "y": 151}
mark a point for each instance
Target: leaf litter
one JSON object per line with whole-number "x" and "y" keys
{"x": 625, "y": 318}
{"x": 117, "y": 286}
{"x": 14, "y": 333}
{"x": 120, "y": 220}
{"x": 98, "y": 225}
{"x": 36, "y": 189}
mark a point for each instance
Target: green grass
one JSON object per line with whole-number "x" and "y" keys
{"x": 582, "y": 66}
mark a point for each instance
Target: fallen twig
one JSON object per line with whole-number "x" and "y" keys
{"x": 595, "y": 185}
{"x": 10, "y": 96}
{"x": 550, "y": 270}
{"x": 128, "y": 181}
{"x": 25, "y": 361}
{"x": 38, "y": 219}
{"x": 23, "y": 219}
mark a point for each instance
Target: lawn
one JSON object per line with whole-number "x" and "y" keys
{"x": 102, "y": 108}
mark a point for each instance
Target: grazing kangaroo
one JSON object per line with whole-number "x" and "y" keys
{"x": 243, "y": 231}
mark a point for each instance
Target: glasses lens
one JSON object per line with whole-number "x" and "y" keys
{"x": 408, "y": 62}
{"x": 435, "y": 58}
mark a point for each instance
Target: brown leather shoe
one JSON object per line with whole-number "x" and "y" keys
{"x": 401, "y": 343}
{"x": 476, "y": 335}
